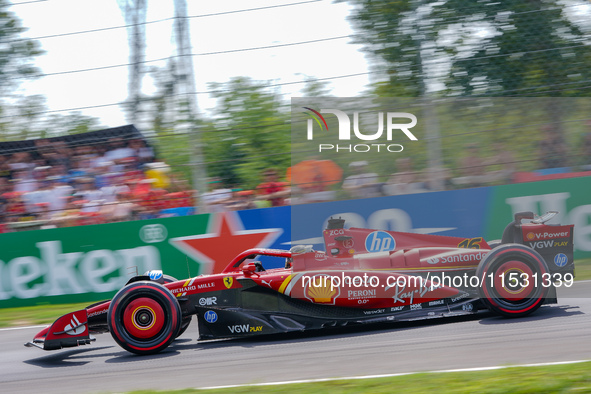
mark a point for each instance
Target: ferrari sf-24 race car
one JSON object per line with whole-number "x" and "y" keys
{"x": 364, "y": 276}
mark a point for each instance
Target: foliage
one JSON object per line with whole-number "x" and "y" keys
{"x": 71, "y": 123}
{"x": 166, "y": 120}
{"x": 16, "y": 53}
{"x": 475, "y": 48}
{"x": 23, "y": 116}
{"x": 27, "y": 120}
{"x": 459, "y": 48}
{"x": 251, "y": 133}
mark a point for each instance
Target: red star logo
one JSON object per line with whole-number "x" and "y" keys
{"x": 225, "y": 239}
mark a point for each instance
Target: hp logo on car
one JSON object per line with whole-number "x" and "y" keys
{"x": 379, "y": 241}
{"x": 560, "y": 259}
{"x": 210, "y": 316}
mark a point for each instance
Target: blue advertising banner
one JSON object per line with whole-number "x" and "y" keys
{"x": 454, "y": 213}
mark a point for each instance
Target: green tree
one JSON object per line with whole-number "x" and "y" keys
{"x": 251, "y": 133}
{"x": 71, "y": 123}
{"x": 16, "y": 63}
{"x": 164, "y": 114}
{"x": 475, "y": 47}
{"x": 16, "y": 53}
{"x": 27, "y": 118}
{"x": 426, "y": 48}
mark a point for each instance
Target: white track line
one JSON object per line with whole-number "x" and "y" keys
{"x": 23, "y": 328}
{"x": 389, "y": 375}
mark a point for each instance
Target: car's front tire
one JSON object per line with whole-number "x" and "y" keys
{"x": 144, "y": 317}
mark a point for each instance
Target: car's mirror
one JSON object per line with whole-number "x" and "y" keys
{"x": 249, "y": 268}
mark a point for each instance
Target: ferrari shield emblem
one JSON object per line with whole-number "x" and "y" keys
{"x": 228, "y": 281}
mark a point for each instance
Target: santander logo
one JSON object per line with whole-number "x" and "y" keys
{"x": 74, "y": 328}
{"x": 457, "y": 258}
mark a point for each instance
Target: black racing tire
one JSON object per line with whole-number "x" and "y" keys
{"x": 514, "y": 280}
{"x": 144, "y": 317}
{"x": 187, "y": 319}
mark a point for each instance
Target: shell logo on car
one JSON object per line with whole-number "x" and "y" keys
{"x": 318, "y": 289}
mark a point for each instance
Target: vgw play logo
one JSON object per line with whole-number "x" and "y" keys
{"x": 344, "y": 131}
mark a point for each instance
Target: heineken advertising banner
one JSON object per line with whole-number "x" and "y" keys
{"x": 91, "y": 263}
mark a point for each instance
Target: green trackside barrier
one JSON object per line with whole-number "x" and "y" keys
{"x": 90, "y": 263}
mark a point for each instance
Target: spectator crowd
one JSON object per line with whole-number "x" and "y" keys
{"x": 55, "y": 185}
{"x": 60, "y": 184}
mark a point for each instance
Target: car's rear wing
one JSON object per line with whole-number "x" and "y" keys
{"x": 553, "y": 241}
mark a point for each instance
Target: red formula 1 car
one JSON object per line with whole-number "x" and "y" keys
{"x": 365, "y": 276}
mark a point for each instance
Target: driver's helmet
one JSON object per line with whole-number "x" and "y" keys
{"x": 301, "y": 249}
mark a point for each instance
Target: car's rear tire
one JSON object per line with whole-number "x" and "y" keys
{"x": 144, "y": 317}
{"x": 514, "y": 280}
{"x": 187, "y": 319}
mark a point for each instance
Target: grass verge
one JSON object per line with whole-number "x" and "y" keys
{"x": 583, "y": 269}
{"x": 569, "y": 378}
{"x": 33, "y": 315}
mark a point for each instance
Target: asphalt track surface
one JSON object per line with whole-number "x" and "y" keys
{"x": 554, "y": 333}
